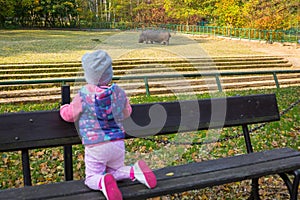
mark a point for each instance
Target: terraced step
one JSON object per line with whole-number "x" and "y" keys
{"x": 196, "y": 59}
{"x": 157, "y": 87}
{"x": 139, "y": 67}
{"x": 71, "y": 72}
{"x": 39, "y": 70}
{"x": 136, "y": 62}
{"x": 43, "y": 74}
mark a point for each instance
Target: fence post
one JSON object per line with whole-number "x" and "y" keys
{"x": 249, "y": 34}
{"x": 276, "y": 80}
{"x": 215, "y": 31}
{"x": 147, "y": 86}
{"x": 218, "y": 83}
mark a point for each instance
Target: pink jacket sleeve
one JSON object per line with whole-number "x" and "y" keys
{"x": 127, "y": 110}
{"x": 71, "y": 112}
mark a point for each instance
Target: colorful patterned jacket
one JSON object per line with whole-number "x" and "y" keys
{"x": 100, "y": 112}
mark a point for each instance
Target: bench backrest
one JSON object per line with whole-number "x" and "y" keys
{"x": 172, "y": 117}
{"x": 46, "y": 128}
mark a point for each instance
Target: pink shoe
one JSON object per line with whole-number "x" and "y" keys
{"x": 110, "y": 188}
{"x": 144, "y": 174}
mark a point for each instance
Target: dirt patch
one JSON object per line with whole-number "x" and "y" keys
{"x": 234, "y": 47}
{"x": 287, "y": 50}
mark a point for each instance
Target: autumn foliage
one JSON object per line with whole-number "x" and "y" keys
{"x": 258, "y": 14}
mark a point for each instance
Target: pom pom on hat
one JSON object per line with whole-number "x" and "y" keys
{"x": 97, "y": 67}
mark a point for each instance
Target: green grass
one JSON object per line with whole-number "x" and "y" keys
{"x": 31, "y": 46}
{"x": 23, "y": 46}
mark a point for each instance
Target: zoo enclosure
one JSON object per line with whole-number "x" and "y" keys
{"x": 292, "y": 35}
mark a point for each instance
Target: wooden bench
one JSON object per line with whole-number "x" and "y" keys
{"x": 24, "y": 131}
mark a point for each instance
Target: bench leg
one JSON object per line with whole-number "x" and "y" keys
{"x": 26, "y": 168}
{"x": 254, "y": 190}
{"x": 292, "y": 187}
{"x": 294, "y": 194}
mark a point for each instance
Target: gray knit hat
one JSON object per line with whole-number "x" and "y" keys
{"x": 97, "y": 67}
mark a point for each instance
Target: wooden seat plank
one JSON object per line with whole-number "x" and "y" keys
{"x": 229, "y": 163}
{"x": 186, "y": 177}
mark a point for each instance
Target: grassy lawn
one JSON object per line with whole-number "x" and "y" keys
{"x": 25, "y": 46}
{"x": 22, "y": 46}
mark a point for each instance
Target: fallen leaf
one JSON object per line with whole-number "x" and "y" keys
{"x": 170, "y": 174}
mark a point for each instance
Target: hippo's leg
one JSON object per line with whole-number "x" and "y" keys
{"x": 165, "y": 42}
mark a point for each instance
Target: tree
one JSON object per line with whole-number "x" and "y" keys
{"x": 271, "y": 15}
{"x": 187, "y": 11}
{"x": 152, "y": 12}
{"x": 6, "y": 10}
{"x": 228, "y": 13}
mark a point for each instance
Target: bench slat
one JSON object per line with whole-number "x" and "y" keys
{"x": 214, "y": 113}
{"x": 186, "y": 177}
{"x": 35, "y": 129}
{"x": 217, "y": 178}
{"x": 46, "y": 128}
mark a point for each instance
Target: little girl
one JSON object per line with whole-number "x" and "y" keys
{"x": 100, "y": 110}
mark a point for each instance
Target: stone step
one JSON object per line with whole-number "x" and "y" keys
{"x": 159, "y": 85}
{"x": 146, "y": 66}
{"x": 158, "y": 69}
{"x": 140, "y": 67}
{"x": 122, "y": 62}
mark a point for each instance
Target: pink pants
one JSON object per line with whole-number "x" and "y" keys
{"x": 105, "y": 158}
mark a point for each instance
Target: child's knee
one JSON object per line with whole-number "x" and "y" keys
{"x": 93, "y": 182}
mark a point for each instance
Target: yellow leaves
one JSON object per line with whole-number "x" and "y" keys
{"x": 155, "y": 198}
{"x": 80, "y": 157}
{"x": 44, "y": 168}
{"x": 292, "y": 134}
{"x": 143, "y": 148}
{"x": 274, "y": 144}
{"x": 57, "y": 155}
{"x": 204, "y": 197}
{"x": 40, "y": 153}
{"x": 78, "y": 165}
{"x": 231, "y": 152}
{"x": 170, "y": 174}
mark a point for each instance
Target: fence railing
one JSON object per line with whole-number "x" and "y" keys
{"x": 292, "y": 35}
{"x": 240, "y": 33}
{"x": 146, "y": 78}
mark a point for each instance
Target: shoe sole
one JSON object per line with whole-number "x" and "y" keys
{"x": 144, "y": 174}
{"x": 110, "y": 188}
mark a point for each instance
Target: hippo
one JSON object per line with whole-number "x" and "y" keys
{"x": 151, "y": 36}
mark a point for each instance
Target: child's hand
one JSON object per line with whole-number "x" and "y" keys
{"x": 71, "y": 112}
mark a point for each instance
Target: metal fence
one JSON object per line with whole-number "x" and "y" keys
{"x": 292, "y": 35}
{"x": 145, "y": 78}
{"x": 240, "y": 33}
